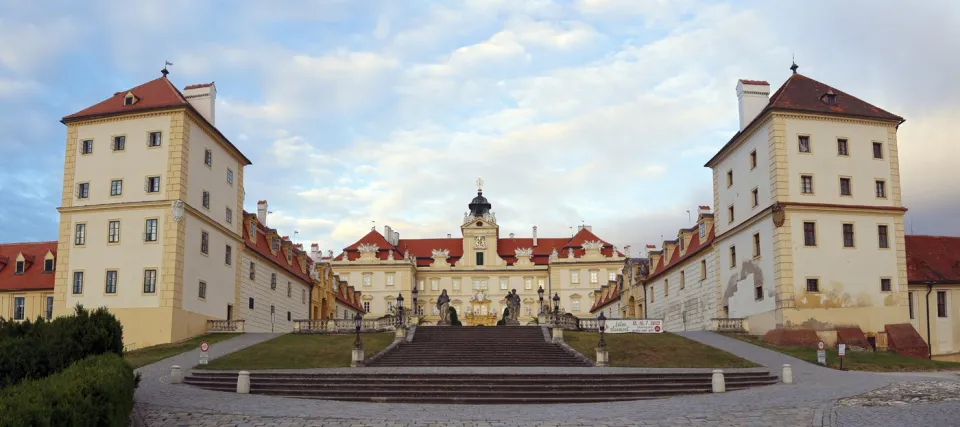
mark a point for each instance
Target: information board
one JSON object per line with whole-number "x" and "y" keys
{"x": 635, "y": 326}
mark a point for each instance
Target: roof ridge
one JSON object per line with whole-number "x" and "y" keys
{"x": 847, "y": 94}
{"x": 28, "y": 243}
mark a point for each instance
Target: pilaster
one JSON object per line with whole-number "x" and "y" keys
{"x": 69, "y": 167}
{"x": 901, "y": 248}
{"x": 894, "y": 154}
{"x": 174, "y": 232}
{"x": 178, "y": 157}
{"x": 779, "y": 171}
{"x": 783, "y": 262}
{"x": 62, "y": 275}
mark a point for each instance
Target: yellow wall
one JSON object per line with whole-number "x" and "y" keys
{"x": 944, "y": 331}
{"x": 34, "y": 303}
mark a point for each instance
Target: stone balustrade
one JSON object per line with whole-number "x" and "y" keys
{"x": 224, "y": 326}
{"x": 343, "y": 326}
{"x": 729, "y": 325}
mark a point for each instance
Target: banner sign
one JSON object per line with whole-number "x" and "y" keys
{"x": 636, "y": 326}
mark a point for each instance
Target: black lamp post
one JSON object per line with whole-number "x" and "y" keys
{"x": 602, "y": 320}
{"x": 416, "y": 308}
{"x": 358, "y": 319}
{"x": 400, "y": 309}
{"x": 540, "y": 293}
{"x": 556, "y": 309}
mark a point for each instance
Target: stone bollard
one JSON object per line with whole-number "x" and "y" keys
{"x": 176, "y": 375}
{"x": 787, "y": 376}
{"x": 401, "y": 334}
{"x": 719, "y": 385}
{"x": 603, "y": 357}
{"x": 356, "y": 359}
{"x": 557, "y": 334}
{"x": 243, "y": 382}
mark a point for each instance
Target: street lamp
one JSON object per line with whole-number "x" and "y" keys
{"x": 416, "y": 308}
{"x": 556, "y": 308}
{"x": 400, "y": 309}
{"x": 358, "y": 319}
{"x": 602, "y": 320}
{"x": 540, "y": 293}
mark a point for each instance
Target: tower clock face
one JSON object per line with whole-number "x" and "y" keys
{"x": 480, "y": 242}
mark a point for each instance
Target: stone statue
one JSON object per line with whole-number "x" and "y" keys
{"x": 513, "y": 305}
{"x": 443, "y": 305}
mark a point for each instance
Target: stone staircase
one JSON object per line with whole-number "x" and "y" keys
{"x": 468, "y": 388}
{"x": 479, "y": 346}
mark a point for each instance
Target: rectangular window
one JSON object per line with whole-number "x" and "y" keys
{"x": 758, "y": 292}
{"x": 803, "y": 143}
{"x": 542, "y": 283}
{"x": 703, "y": 269}
{"x": 149, "y": 281}
{"x": 80, "y": 235}
{"x": 77, "y": 282}
{"x": 729, "y": 178}
{"x": 733, "y": 256}
{"x": 83, "y": 190}
{"x": 882, "y": 239}
{"x": 208, "y": 157}
{"x": 574, "y": 277}
{"x": 113, "y": 232}
{"x": 389, "y": 279}
{"x": 420, "y": 284}
{"x": 877, "y": 150}
{"x": 250, "y": 303}
{"x": 666, "y": 287}
{"x": 204, "y": 242}
{"x": 119, "y": 143}
{"x": 229, "y": 176}
{"x": 253, "y": 270}
{"x": 229, "y": 215}
{"x": 456, "y": 284}
{"x": 154, "y": 140}
{"x": 206, "y": 199}
{"x": 48, "y": 313}
{"x": 881, "y": 189}
{"x": 612, "y": 276}
{"x": 288, "y": 316}
{"x": 683, "y": 280}
{"x": 86, "y": 146}
{"x": 576, "y": 305}
{"x": 813, "y": 285}
{"x": 48, "y": 265}
{"x": 527, "y": 283}
{"x": 228, "y": 255}
{"x": 885, "y": 285}
{"x": 202, "y": 290}
{"x": 303, "y": 296}
{"x": 809, "y": 234}
{"x": 273, "y": 281}
{"x": 756, "y": 245}
{"x": 366, "y": 306}
{"x": 941, "y": 303}
{"x": 755, "y": 195}
{"x": 503, "y": 284}
{"x": 19, "y": 268}
{"x": 18, "y": 308}
{"x": 111, "y": 282}
{"x": 845, "y": 187}
{"x": 848, "y": 241}
{"x": 150, "y": 230}
{"x": 842, "y": 147}
{"x": 594, "y": 277}
{"x": 276, "y": 244}
{"x": 681, "y": 243}
{"x": 730, "y": 213}
{"x": 753, "y": 159}
{"x": 153, "y": 184}
{"x": 289, "y": 290}
{"x": 703, "y": 230}
{"x": 806, "y": 184}
{"x": 116, "y": 187}
{"x": 434, "y": 284}
{"x": 367, "y": 280}
{"x": 910, "y": 303}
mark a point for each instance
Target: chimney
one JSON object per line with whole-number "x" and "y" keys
{"x": 396, "y": 238}
{"x": 262, "y": 212}
{"x": 448, "y": 235}
{"x": 626, "y": 251}
{"x": 315, "y": 252}
{"x": 388, "y": 234}
{"x": 534, "y": 235}
{"x": 703, "y": 210}
{"x": 511, "y": 235}
{"x": 203, "y": 98}
{"x": 753, "y": 97}
{"x": 654, "y": 255}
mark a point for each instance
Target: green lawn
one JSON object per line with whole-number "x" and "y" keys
{"x": 663, "y": 350}
{"x": 148, "y": 355}
{"x": 881, "y": 361}
{"x": 301, "y": 351}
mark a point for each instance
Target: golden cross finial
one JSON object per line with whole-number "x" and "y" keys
{"x": 479, "y": 184}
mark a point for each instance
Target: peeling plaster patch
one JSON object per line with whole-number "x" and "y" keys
{"x": 748, "y": 267}
{"x": 890, "y": 300}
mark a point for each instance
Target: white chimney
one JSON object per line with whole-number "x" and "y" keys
{"x": 448, "y": 235}
{"x": 315, "y": 252}
{"x": 203, "y": 97}
{"x": 262, "y": 212}
{"x": 388, "y": 234}
{"x": 396, "y": 238}
{"x": 534, "y": 235}
{"x": 703, "y": 210}
{"x": 511, "y": 235}
{"x": 753, "y": 96}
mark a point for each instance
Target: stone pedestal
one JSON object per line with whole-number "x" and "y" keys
{"x": 176, "y": 375}
{"x": 243, "y": 382}
{"x": 443, "y": 323}
{"x": 719, "y": 385}
{"x": 603, "y": 357}
{"x": 512, "y": 322}
{"x": 401, "y": 334}
{"x": 543, "y": 319}
{"x": 356, "y": 358}
{"x": 557, "y": 334}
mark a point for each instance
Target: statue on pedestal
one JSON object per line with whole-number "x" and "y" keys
{"x": 513, "y": 305}
{"x": 443, "y": 305}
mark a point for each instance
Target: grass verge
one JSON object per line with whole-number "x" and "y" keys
{"x": 300, "y": 351}
{"x": 664, "y": 350}
{"x": 881, "y": 361}
{"x": 148, "y": 355}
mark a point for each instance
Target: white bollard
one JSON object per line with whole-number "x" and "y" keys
{"x": 243, "y": 382}
{"x": 401, "y": 334}
{"x": 557, "y": 334}
{"x": 176, "y": 375}
{"x": 787, "y": 376}
{"x": 356, "y": 359}
{"x": 719, "y": 385}
{"x": 603, "y": 357}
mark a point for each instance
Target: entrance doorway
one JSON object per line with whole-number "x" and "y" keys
{"x": 229, "y": 311}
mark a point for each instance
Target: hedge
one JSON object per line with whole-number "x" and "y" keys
{"x": 96, "y": 391}
{"x": 33, "y": 350}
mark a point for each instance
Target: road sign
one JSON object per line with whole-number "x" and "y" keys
{"x": 842, "y": 349}
{"x": 204, "y": 346}
{"x": 819, "y": 345}
{"x": 822, "y": 357}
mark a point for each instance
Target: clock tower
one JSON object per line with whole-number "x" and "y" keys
{"x": 480, "y": 231}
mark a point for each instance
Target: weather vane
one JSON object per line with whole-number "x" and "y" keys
{"x": 479, "y": 184}
{"x": 164, "y": 71}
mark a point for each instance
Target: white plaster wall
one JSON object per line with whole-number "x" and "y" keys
{"x": 690, "y": 308}
{"x": 743, "y": 303}
{"x": 132, "y": 165}
{"x": 827, "y": 167}
{"x": 340, "y": 309}
{"x": 211, "y": 268}
{"x": 212, "y": 179}
{"x": 258, "y": 319}
{"x": 130, "y": 257}
{"x": 744, "y": 180}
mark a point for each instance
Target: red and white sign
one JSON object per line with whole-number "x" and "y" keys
{"x": 635, "y": 326}
{"x": 204, "y": 346}
{"x": 842, "y": 350}
{"x": 820, "y": 345}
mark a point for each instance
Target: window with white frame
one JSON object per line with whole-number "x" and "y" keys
{"x": 390, "y": 279}
{"x": 542, "y": 283}
{"x": 149, "y": 281}
{"x": 48, "y": 313}
{"x": 456, "y": 284}
{"x": 154, "y": 139}
{"x": 612, "y": 276}
{"x": 434, "y": 284}
{"x": 18, "y": 308}
{"x": 574, "y": 277}
{"x": 152, "y": 184}
{"x": 113, "y": 232}
{"x": 202, "y": 290}
{"x": 150, "y": 230}
{"x": 110, "y": 286}
{"x": 86, "y": 146}
{"x": 119, "y": 143}
{"x": 116, "y": 187}
{"x": 229, "y": 176}
{"x": 503, "y": 284}
{"x": 204, "y": 242}
{"x": 421, "y": 284}
{"x": 367, "y": 279}
{"x": 83, "y": 190}
{"x": 576, "y": 305}
{"x": 229, "y": 215}
{"x": 527, "y": 283}
{"x": 594, "y": 276}
{"x": 228, "y": 255}
{"x": 77, "y": 282}
{"x": 80, "y": 234}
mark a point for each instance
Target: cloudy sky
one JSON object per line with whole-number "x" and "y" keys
{"x": 352, "y": 111}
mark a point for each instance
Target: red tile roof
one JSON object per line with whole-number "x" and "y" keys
{"x": 754, "y": 82}
{"x": 198, "y": 86}
{"x": 933, "y": 259}
{"x": 33, "y": 277}
{"x": 612, "y": 295}
{"x": 803, "y": 94}
{"x": 668, "y": 261}
{"x": 346, "y": 296}
{"x": 262, "y": 248}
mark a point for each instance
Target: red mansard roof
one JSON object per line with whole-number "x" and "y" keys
{"x": 33, "y": 277}
{"x": 668, "y": 261}
{"x": 262, "y": 248}
{"x": 933, "y": 259}
{"x": 613, "y": 294}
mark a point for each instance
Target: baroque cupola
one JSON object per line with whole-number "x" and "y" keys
{"x": 480, "y": 206}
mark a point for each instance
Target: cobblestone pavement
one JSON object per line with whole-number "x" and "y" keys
{"x": 807, "y": 402}
{"x": 906, "y": 393}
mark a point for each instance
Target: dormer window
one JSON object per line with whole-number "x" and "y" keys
{"x": 48, "y": 266}
{"x": 20, "y": 266}
{"x": 129, "y": 99}
{"x": 703, "y": 230}
{"x": 276, "y": 244}
{"x": 829, "y": 98}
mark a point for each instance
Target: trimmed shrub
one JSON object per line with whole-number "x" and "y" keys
{"x": 96, "y": 391}
{"x": 454, "y": 321}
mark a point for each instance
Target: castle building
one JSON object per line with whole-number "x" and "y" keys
{"x": 478, "y": 269}
{"x": 26, "y": 280}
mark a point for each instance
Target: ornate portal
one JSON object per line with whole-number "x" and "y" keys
{"x": 478, "y": 312}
